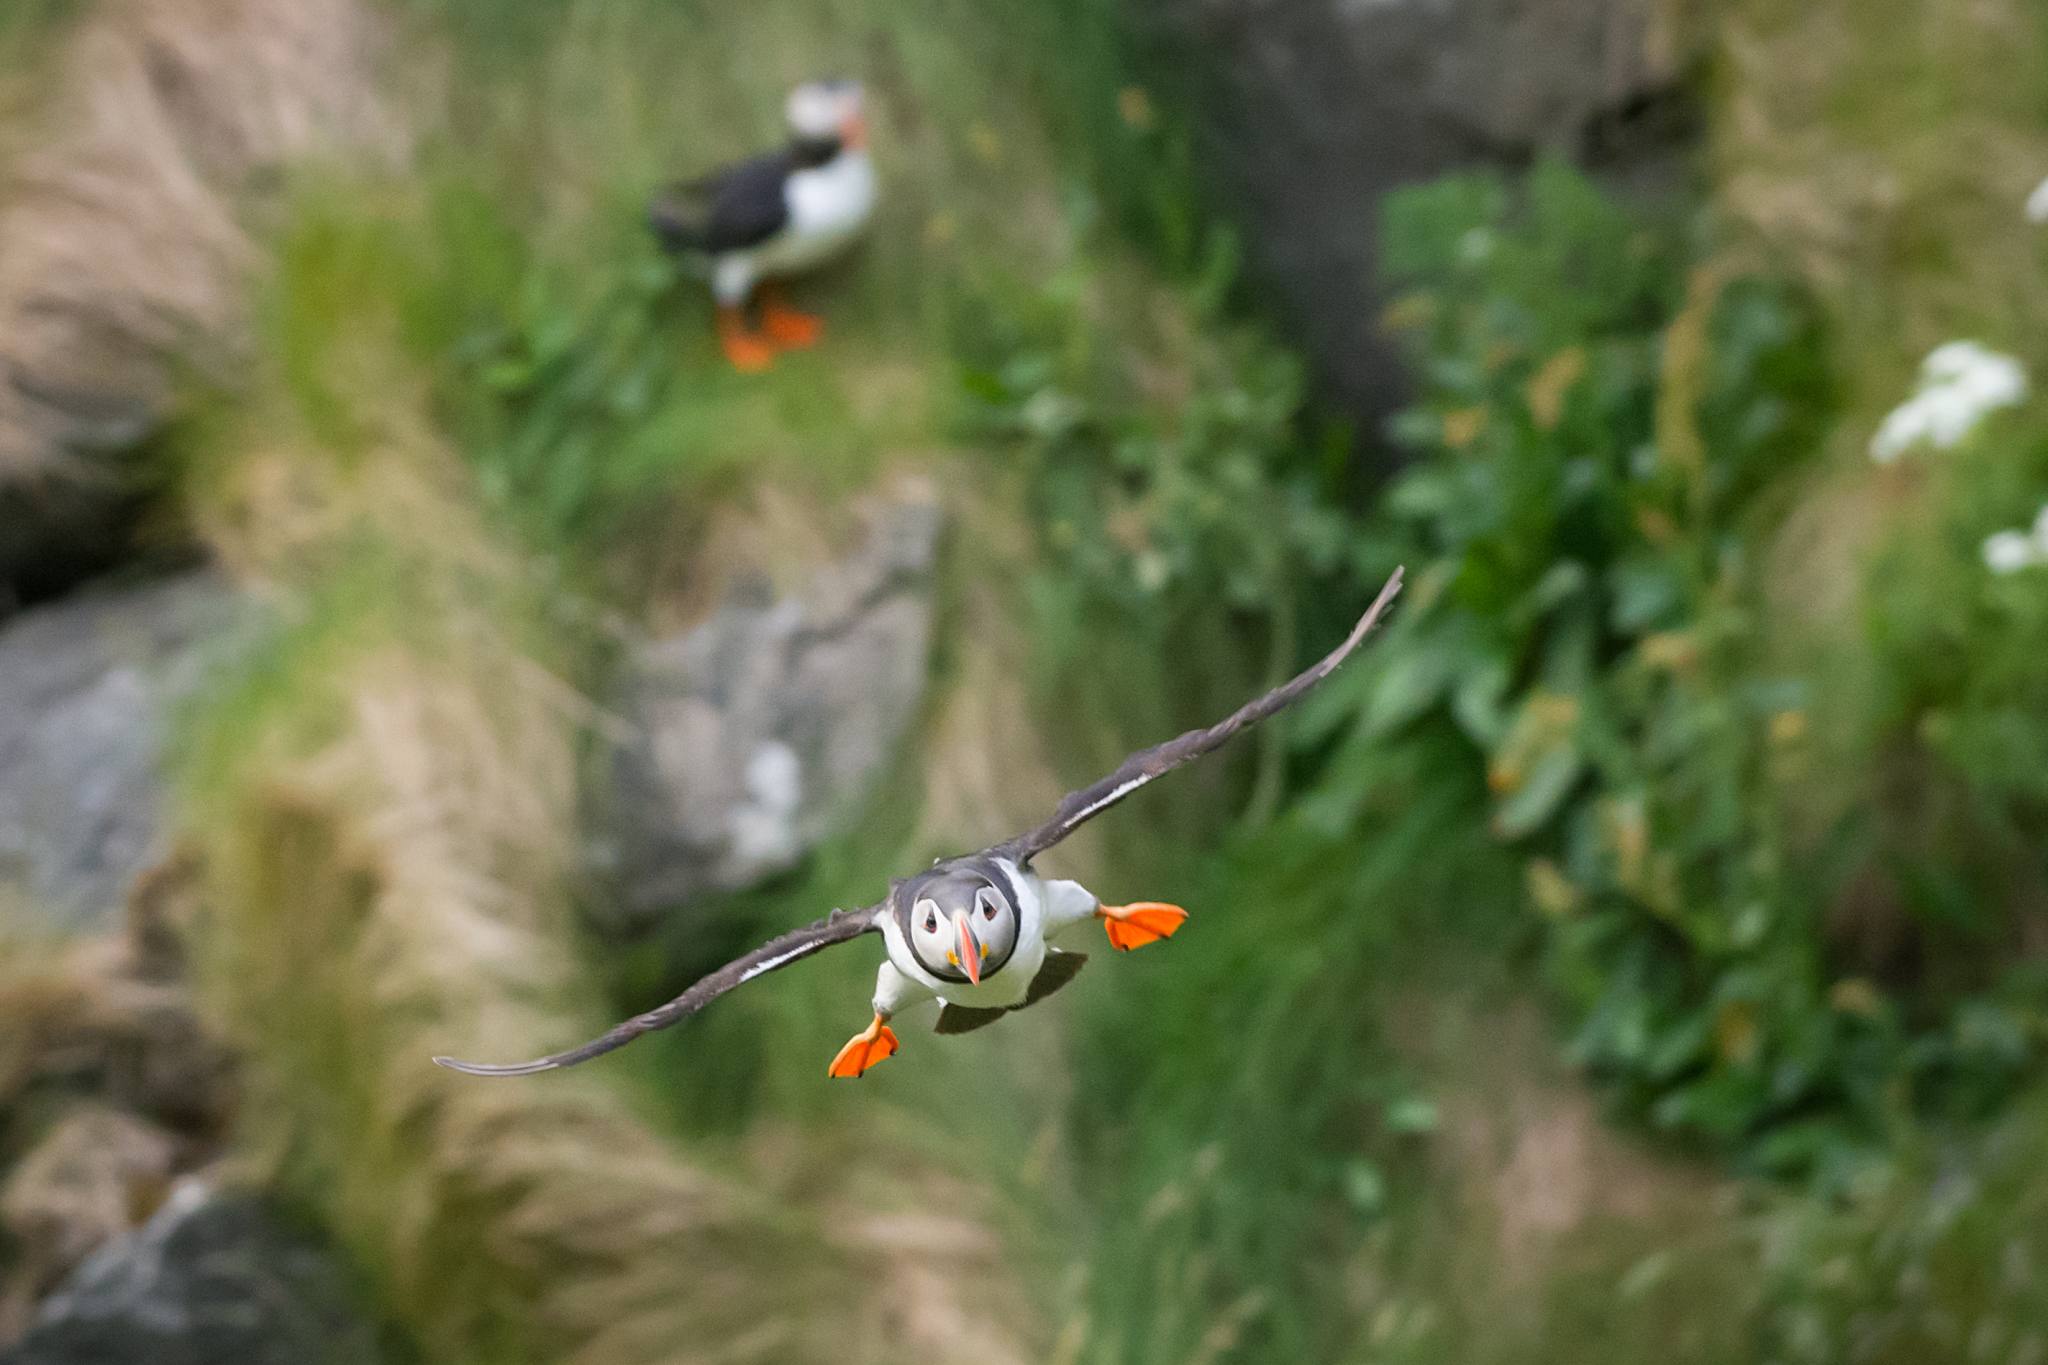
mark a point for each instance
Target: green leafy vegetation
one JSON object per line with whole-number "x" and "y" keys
{"x": 1604, "y": 433}
{"x": 1581, "y": 711}
{"x": 1597, "y": 434}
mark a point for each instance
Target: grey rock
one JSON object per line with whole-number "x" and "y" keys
{"x": 1313, "y": 110}
{"x": 86, "y": 685}
{"x": 210, "y": 1279}
{"x": 750, "y": 736}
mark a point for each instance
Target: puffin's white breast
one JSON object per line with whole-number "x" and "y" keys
{"x": 829, "y": 205}
{"x": 833, "y": 200}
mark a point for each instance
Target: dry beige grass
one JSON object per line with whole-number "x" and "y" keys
{"x": 385, "y": 867}
{"x": 103, "y": 1014}
{"x": 108, "y": 1086}
{"x": 398, "y": 894}
{"x": 97, "y": 1174}
{"x": 124, "y": 203}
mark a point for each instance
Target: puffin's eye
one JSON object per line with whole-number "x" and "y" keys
{"x": 988, "y": 909}
{"x": 931, "y": 922}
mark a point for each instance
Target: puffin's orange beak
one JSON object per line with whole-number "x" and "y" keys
{"x": 970, "y": 952}
{"x": 853, "y": 131}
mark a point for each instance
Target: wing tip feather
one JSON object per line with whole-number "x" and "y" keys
{"x": 509, "y": 1069}
{"x": 1388, "y": 592}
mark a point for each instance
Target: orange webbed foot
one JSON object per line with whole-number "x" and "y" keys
{"x": 790, "y": 329}
{"x": 747, "y": 350}
{"x": 875, "y": 1043}
{"x": 1141, "y": 922}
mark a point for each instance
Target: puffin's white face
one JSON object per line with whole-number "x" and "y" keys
{"x": 825, "y": 111}
{"x": 968, "y": 926}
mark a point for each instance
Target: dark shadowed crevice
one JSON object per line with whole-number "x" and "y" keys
{"x": 1308, "y": 113}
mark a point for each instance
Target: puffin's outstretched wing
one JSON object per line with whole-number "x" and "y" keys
{"x": 841, "y": 926}
{"x": 1078, "y": 808}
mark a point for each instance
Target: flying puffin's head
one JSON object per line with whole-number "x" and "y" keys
{"x": 828, "y": 112}
{"x": 962, "y": 922}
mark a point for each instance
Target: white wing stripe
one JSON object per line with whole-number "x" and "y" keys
{"x": 772, "y": 963}
{"x": 1109, "y": 800}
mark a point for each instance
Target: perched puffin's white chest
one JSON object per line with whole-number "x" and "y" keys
{"x": 829, "y": 205}
{"x": 834, "y": 200}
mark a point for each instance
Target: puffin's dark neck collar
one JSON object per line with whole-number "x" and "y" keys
{"x": 808, "y": 152}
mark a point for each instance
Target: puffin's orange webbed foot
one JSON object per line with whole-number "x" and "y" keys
{"x": 787, "y": 327}
{"x": 875, "y": 1043}
{"x": 747, "y": 350}
{"x": 1139, "y": 923}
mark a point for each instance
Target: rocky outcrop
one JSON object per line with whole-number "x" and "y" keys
{"x": 86, "y": 688}
{"x": 124, "y": 245}
{"x": 212, "y": 1278}
{"x": 1312, "y": 110}
{"x": 750, "y": 735}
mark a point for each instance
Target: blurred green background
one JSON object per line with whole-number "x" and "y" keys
{"x": 1638, "y": 954}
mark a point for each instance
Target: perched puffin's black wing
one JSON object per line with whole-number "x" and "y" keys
{"x": 740, "y": 206}
{"x": 841, "y": 926}
{"x": 1082, "y": 806}
{"x": 749, "y": 205}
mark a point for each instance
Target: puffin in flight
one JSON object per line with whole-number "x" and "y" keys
{"x": 975, "y": 932}
{"x": 776, "y": 215}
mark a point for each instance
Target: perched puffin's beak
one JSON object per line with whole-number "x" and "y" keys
{"x": 853, "y": 131}
{"x": 970, "y": 951}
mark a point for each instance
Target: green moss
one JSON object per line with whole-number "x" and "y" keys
{"x": 28, "y": 28}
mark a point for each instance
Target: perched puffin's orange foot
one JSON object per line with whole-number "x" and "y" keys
{"x": 789, "y": 328}
{"x": 872, "y": 1044}
{"x": 1142, "y": 922}
{"x": 749, "y": 352}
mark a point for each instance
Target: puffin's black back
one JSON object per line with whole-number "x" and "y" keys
{"x": 740, "y": 206}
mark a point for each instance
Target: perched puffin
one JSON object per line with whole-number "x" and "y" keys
{"x": 776, "y": 215}
{"x": 979, "y": 932}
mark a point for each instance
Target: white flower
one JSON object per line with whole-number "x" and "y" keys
{"x": 1993, "y": 379}
{"x": 2037, "y": 204}
{"x": 1907, "y": 426}
{"x": 2011, "y": 551}
{"x": 1959, "y": 384}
